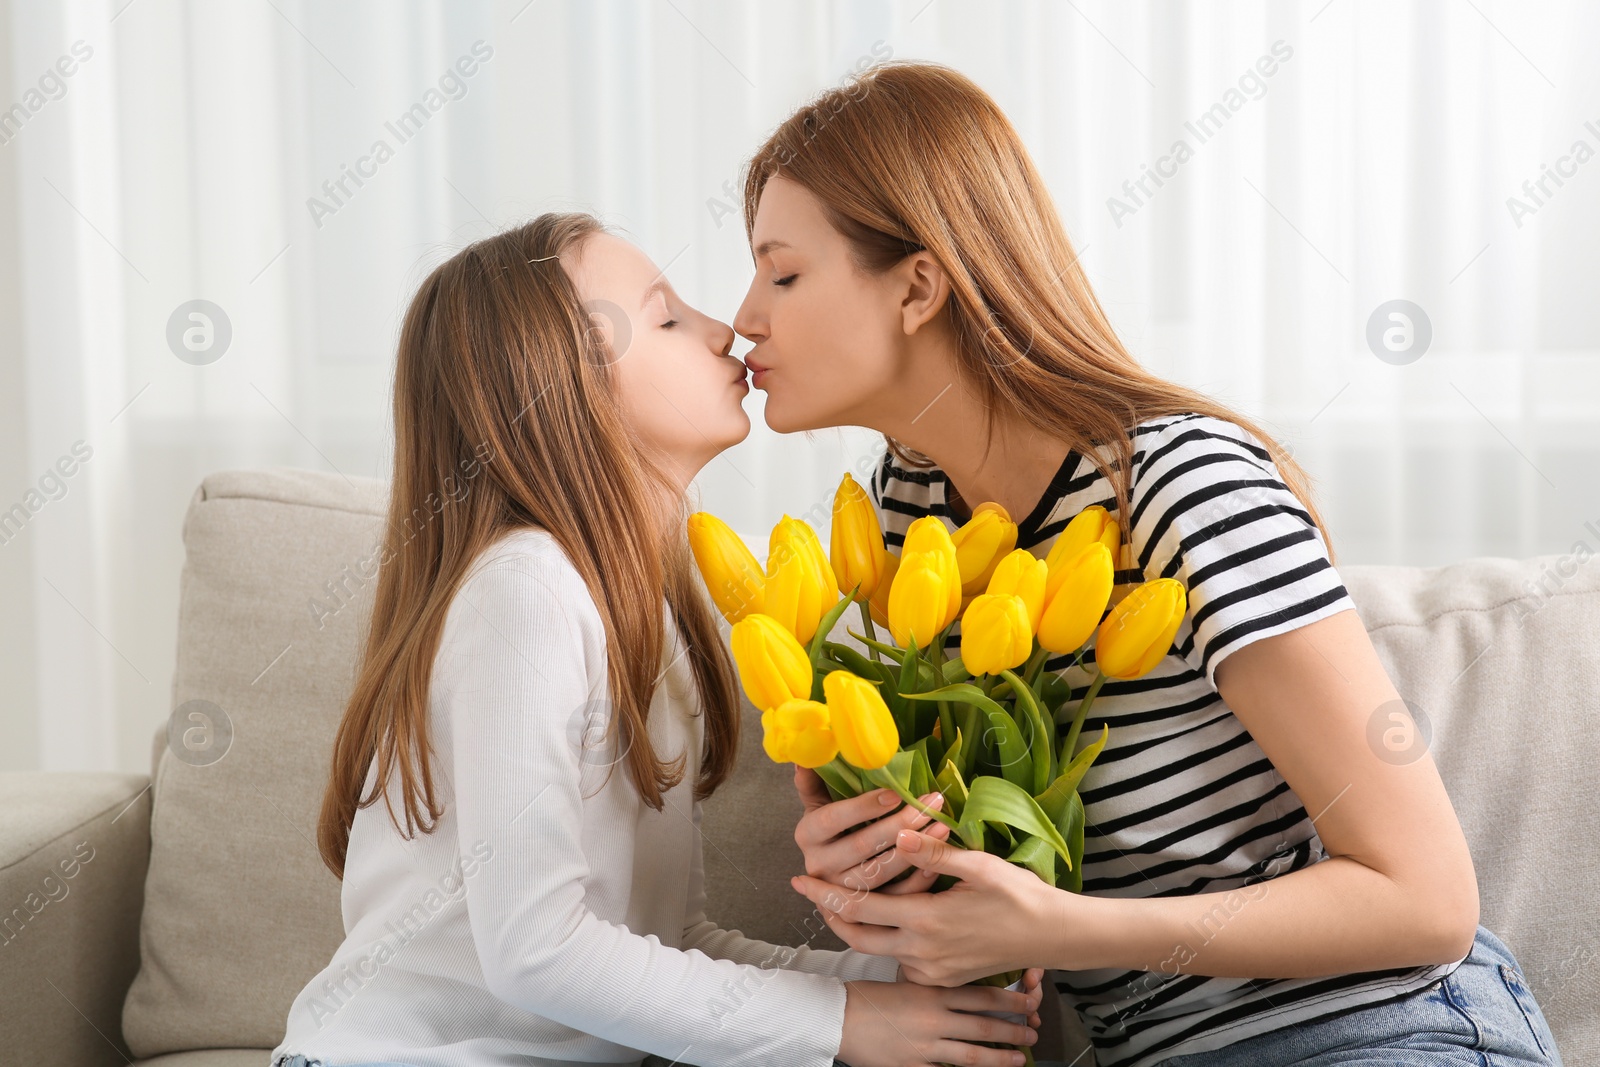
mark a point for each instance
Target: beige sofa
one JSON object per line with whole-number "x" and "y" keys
{"x": 173, "y": 925}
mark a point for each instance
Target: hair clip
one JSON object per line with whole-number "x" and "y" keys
{"x": 541, "y": 259}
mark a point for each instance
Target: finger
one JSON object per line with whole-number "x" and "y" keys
{"x": 873, "y": 940}
{"x": 885, "y": 866}
{"x": 826, "y": 818}
{"x": 812, "y": 789}
{"x": 946, "y": 1051}
{"x": 942, "y": 857}
{"x": 967, "y": 1027}
{"x": 858, "y": 906}
{"x": 991, "y": 998}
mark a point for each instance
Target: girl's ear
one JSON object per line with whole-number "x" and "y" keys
{"x": 925, "y": 290}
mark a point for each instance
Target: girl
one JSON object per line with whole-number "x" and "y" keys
{"x": 1261, "y": 883}
{"x": 545, "y": 694}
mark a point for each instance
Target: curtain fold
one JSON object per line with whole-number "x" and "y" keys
{"x": 297, "y": 168}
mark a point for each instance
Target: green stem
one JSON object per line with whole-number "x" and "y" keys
{"x": 881, "y": 776}
{"x": 866, "y": 622}
{"x": 1077, "y": 720}
{"x": 1030, "y": 670}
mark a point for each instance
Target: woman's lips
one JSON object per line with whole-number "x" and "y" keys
{"x": 756, "y": 371}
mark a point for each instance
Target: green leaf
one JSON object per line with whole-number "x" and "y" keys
{"x": 955, "y": 671}
{"x": 921, "y": 778}
{"x": 841, "y": 781}
{"x": 1075, "y": 770}
{"x": 1074, "y": 835}
{"x": 1041, "y": 741}
{"x": 999, "y": 800}
{"x": 825, "y": 627}
{"x": 952, "y": 786}
{"x": 1036, "y": 854}
{"x": 1016, "y": 763}
{"x": 908, "y": 670}
{"x": 894, "y": 652}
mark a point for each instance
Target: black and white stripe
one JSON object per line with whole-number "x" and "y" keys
{"x": 1183, "y": 800}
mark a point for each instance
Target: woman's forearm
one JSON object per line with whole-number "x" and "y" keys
{"x": 1337, "y": 916}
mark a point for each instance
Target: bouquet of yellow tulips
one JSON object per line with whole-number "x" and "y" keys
{"x": 990, "y": 728}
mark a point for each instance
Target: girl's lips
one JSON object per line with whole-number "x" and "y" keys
{"x": 756, "y": 371}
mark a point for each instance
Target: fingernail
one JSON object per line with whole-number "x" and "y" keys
{"x": 887, "y": 798}
{"x": 1033, "y": 1035}
{"x": 930, "y": 874}
{"x": 909, "y": 840}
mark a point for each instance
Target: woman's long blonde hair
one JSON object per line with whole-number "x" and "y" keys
{"x": 504, "y": 390}
{"x": 909, "y": 156}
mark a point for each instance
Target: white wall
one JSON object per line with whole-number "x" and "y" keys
{"x": 1375, "y": 164}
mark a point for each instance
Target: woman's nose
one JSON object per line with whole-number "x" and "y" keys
{"x": 750, "y": 326}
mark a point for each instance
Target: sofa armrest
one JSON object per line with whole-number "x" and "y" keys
{"x": 73, "y": 852}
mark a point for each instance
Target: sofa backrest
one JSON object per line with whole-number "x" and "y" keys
{"x": 240, "y": 911}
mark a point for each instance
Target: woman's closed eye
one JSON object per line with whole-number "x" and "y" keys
{"x": 785, "y": 280}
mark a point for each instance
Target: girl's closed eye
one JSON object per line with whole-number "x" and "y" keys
{"x": 785, "y": 280}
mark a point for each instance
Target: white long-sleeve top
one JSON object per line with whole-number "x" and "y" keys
{"x": 552, "y": 917}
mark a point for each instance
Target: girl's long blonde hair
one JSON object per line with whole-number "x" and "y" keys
{"x": 506, "y": 416}
{"x": 909, "y": 156}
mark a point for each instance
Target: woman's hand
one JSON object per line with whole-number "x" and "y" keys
{"x": 899, "y": 1024}
{"x": 857, "y": 858}
{"x": 998, "y": 917}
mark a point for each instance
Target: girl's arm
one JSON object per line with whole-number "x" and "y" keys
{"x": 705, "y": 935}
{"x": 522, "y": 657}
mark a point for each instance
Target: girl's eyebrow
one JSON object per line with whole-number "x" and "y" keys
{"x": 657, "y": 286}
{"x": 766, "y": 246}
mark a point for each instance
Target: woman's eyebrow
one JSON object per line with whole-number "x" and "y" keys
{"x": 766, "y": 246}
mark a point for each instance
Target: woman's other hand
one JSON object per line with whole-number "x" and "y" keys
{"x": 840, "y": 850}
{"x": 901, "y": 1024}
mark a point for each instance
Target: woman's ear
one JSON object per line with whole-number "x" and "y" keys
{"x": 926, "y": 289}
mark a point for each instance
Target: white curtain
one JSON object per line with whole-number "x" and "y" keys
{"x": 1340, "y": 155}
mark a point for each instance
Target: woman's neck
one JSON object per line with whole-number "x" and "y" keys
{"x": 946, "y": 423}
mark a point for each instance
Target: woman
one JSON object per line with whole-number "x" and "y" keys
{"x": 545, "y": 695}
{"x": 1260, "y": 885}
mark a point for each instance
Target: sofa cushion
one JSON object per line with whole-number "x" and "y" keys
{"x": 1502, "y": 659}
{"x": 240, "y": 911}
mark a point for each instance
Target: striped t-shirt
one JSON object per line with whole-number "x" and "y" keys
{"x": 1182, "y": 799}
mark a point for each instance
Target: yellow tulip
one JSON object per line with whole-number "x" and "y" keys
{"x": 995, "y": 635}
{"x": 1075, "y": 602}
{"x": 800, "y": 586}
{"x": 772, "y": 666}
{"x": 918, "y": 600}
{"x": 1139, "y": 631}
{"x": 1022, "y": 573}
{"x": 879, "y": 608}
{"x": 729, "y": 568}
{"x": 862, "y": 722}
{"x": 798, "y": 731}
{"x": 855, "y": 542}
{"x": 980, "y": 543}
{"x": 1093, "y": 523}
{"x": 928, "y": 534}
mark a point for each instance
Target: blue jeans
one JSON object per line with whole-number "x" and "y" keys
{"x": 1481, "y": 1013}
